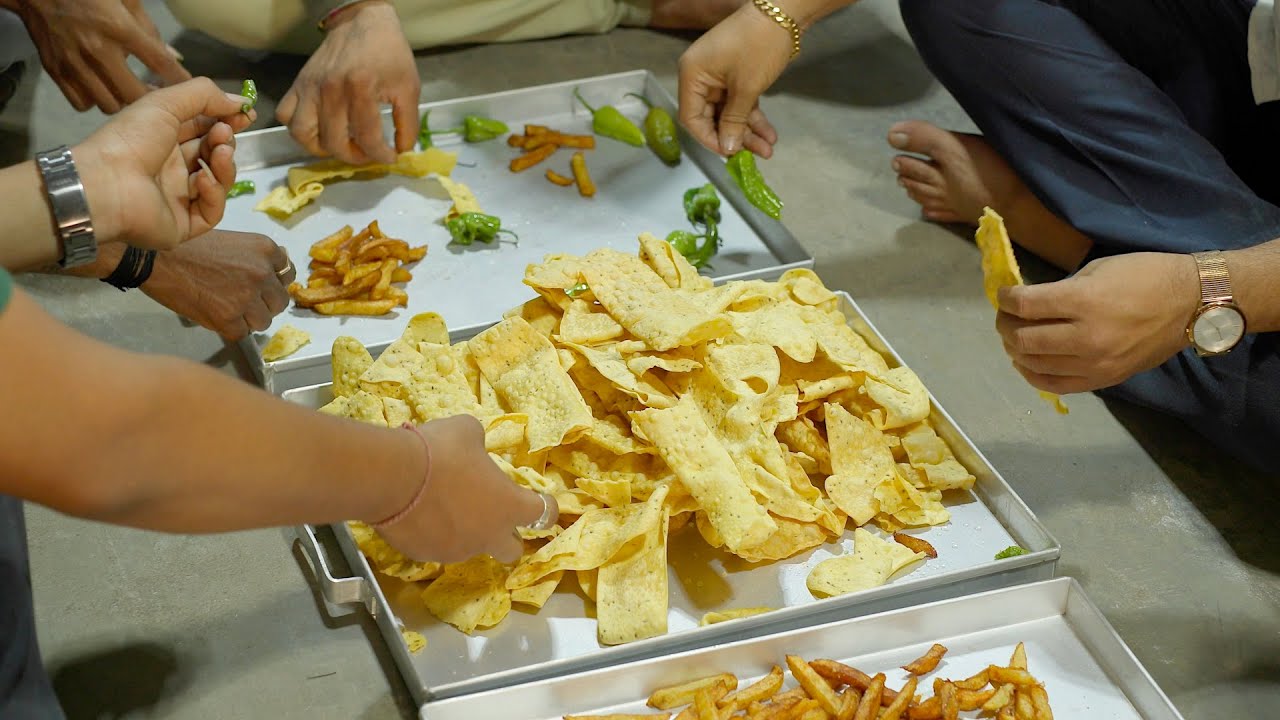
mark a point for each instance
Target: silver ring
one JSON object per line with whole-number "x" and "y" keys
{"x": 288, "y": 268}
{"x": 550, "y": 514}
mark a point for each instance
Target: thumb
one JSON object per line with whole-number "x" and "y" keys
{"x": 733, "y": 119}
{"x": 1046, "y": 301}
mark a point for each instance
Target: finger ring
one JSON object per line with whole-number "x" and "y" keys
{"x": 288, "y": 268}
{"x": 550, "y": 514}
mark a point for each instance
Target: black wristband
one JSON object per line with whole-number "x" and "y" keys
{"x": 133, "y": 270}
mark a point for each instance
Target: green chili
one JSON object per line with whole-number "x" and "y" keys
{"x": 249, "y": 90}
{"x": 698, "y": 254}
{"x": 1011, "y": 551}
{"x": 742, "y": 168}
{"x": 424, "y": 131}
{"x": 608, "y": 121}
{"x": 577, "y": 290}
{"x": 702, "y": 205}
{"x": 242, "y": 187}
{"x": 660, "y": 132}
{"x": 475, "y": 128}
{"x": 471, "y": 227}
{"x": 702, "y": 208}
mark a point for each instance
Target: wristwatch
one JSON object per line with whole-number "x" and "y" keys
{"x": 69, "y": 205}
{"x": 1218, "y": 324}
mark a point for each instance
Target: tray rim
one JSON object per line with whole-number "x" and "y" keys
{"x": 1032, "y": 533}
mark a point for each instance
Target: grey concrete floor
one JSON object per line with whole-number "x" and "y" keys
{"x": 1176, "y": 543}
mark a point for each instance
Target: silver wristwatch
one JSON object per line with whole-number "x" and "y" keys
{"x": 69, "y": 205}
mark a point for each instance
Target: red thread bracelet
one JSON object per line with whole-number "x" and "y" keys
{"x": 335, "y": 12}
{"x": 422, "y": 489}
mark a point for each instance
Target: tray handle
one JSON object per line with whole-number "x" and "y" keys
{"x": 337, "y": 591}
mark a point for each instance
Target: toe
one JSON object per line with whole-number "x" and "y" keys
{"x": 941, "y": 215}
{"x": 922, "y": 191}
{"x": 917, "y": 170}
{"x": 922, "y": 138}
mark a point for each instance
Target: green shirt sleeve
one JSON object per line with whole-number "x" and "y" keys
{"x": 6, "y": 288}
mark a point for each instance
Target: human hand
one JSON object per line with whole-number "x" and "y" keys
{"x": 334, "y": 105}
{"x": 1115, "y": 318}
{"x": 84, "y": 46}
{"x": 470, "y": 507}
{"x": 722, "y": 76}
{"x": 141, "y": 170}
{"x": 228, "y": 282}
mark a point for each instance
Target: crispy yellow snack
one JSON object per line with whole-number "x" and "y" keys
{"x": 470, "y": 595}
{"x": 413, "y": 640}
{"x": 1000, "y": 269}
{"x": 719, "y": 616}
{"x": 814, "y": 684}
{"x": 285, "y": 342}
{"x": 306, "y": 182}
{"x": 631, "y": 591}
{"x": 871, "y": 565}
{"x": 464, "y": 201}
{"x": 674, "y": 696}
{"x": 355, "y": 307}
{"x": 282, "y": 202}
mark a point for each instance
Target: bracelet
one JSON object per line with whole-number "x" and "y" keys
{"x": 781, "y": 17}
{"x": 422, "y": 489}
{"x": 335, "y": 11}
{"x": 134, "y": 269}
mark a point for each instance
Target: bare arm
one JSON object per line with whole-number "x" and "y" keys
{"x": 1255, "y": 280}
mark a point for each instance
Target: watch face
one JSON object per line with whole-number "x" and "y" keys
{"x": 1218, "y": 329}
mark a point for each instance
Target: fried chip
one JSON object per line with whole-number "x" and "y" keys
{"x": 702, "y": 464}
{"x": 282, "y": 202}
{"x": 523, "y": 367}
{"x": 861, "y": 463}
{"x": 900, "y": 395}
{"x": 350, "y": 360}
{"x": 536, "y": 595}
{"x": 464, "y": 201}
{"x": 387, "y": 560}
{"x": 631, "y": 590}
{"x": 285, "y": 342}
{"x": 470, "y": 595}
{"x": 1000, "y": 269}
{"x": 719, "y": 616}
{"x": 670, "y": 265}
{"x": 306, "y": 182}
{"x": 871, "y": 565}
{"x": 583, "y": 326}
{"x": 413, "y": 640}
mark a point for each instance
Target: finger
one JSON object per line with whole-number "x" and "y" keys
{"x": 697, "y": 109}
{"x": 207, "y": 205}
{"x": 760, "y": 125}
{"x": 909, "y": 168}
{"x": 192, "y": 99}
{"x": 757, "y": 144}
{"x": 223, "y": 164}
{"x": 1056, "y": 365}
{"x": 288, "y": 105}
{"x": 732, "y": 127}
{"x": 76, "y": 95}
{"x": 1046, "y": 301}
{"x": 1059, "y": 384}
{"x": 507, "y": 549}
{"x": 366, "y": 129}
{"x": 283, "y": 262}
{"x": 257, "y": 316}
{"x": 114, "y": 72}
{"x": 941, "y": 216}
{"x": 154, "y": 52}
{"x": 404, "y": 113}
{"x": 305, "y": 128}
{"x": 1037, "y": 337}
{"x": 234, "y": 330}
{"x": 275, "y": 298}
{"x": 98, "y": 93}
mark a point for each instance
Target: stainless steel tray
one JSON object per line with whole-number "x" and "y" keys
{"x": 561, "y": 639}
{"x": 1086, "y": 668}
{"x": 471, "y": 286}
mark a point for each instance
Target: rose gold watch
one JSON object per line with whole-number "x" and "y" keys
{"x": 1218, "y": 324}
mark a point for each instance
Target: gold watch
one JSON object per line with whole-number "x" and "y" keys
{"x": 1218, "y": 324}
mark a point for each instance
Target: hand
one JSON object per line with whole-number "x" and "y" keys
{"x": 722, "y": 76}
{"x": 334, "y": 105}
{"x": 228, "y": 282}
{"x": 84, "y": 45}
{"x": 1115, "y": 318}
{"x": 140, "y": 170}
{"x": 470, "y": 507}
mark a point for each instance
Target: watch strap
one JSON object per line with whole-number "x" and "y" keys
{"x": 69, "y": 206}
{"x": 1215, "y": 281}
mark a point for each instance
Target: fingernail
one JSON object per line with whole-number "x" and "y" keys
{"x": 897, "y": 165}
{"x": 206, "y": 168}
{"x": 902, "y": 182}
{"x": 898, "y": 139}
{"x": 174, "y": 52}
{"x": 729, "y": 144}
{"x": 238, "y": 99}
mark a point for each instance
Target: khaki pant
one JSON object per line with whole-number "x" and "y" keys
{"x": 290, "y": 25}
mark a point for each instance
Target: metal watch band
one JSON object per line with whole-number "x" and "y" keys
{"x": 69, "y": 205}
{"x": 1215, "y": 281}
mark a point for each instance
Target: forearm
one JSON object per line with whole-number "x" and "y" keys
{"x": 1255, "y": 281}
{"x": 26, "y": 224}
{"x": 170, "y": 445}
{"x": 808, "y": 12}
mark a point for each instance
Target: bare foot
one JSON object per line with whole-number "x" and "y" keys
{"x": 691, "y": 14}
{"x": 961, "y": 174}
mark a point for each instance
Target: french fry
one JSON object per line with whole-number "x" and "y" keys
{"x": 926, "y": 663}
{"x": 849, "y": 700}
{"x": 814, "y": 684}
{"x": 772, "y": 710}
{"x": 1000, "y": 675}
{"x": 558, "y": 179}
{"x": 801, "y": 708}
{"x": 704, "y": 701}
{"x": 1040, "y": 703}
{"x": 516, "y": 141}
{"x": 532, "y": 130}
{"x": 683, "y": 694}
{"x": 320, "y": 282}
{"x": 842, "y": 674}
{"x": 413, "y": 254}
{"x": 401, "y": 275}
{"x": 762, "y": 689}
{"x": 973, "y": 699}
{"x": 1006, "y": 713}
{"x": 999, "y": 700}
{"x": 400, "y": 296}
{"x": 307, "y": 297}
{"x": 327, "y": 249}
{"x": 374, "y": 230}
{"x": 977, "y": 681}
{"x": 529, "y": 159}
{"x": 949, "y": 702}
{"x": 355, "y": 307}
{"x": 581, "y": 142}
{"x": 815, "y": 714}
{"x": 869, "y": 706}
{"x": 379, "y": 290}
{"x": 930, "y": 709}
{"x": 1019, "y": 659}
{"x": 358, "y": 271}
{"x": 578, "y": 163}
{"x": 618, "y": 716}
{"x": 1023, "y": 708}
{"x": 380, "y": 248}
{"x": 915, "y": 544}
{"x": 896, "y": 708}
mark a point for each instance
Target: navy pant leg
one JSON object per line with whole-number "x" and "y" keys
{"x": 1135, "y": 123}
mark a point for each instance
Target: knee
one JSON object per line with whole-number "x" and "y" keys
{"x": 937, "y": 25}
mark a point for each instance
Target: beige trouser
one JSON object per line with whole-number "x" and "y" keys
{"x": 288, "y": 25}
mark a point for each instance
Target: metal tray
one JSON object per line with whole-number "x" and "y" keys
{"x": 1086, "y": 668}
{"x": 471, "y": 286}
{"x": 561, "y": 638}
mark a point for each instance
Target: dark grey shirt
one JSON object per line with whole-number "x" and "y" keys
{"x": 25, "y": 692}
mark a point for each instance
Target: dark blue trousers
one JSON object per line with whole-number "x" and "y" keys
{"x": 1134, "y": 121}
{"x": 25, "y": 691}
